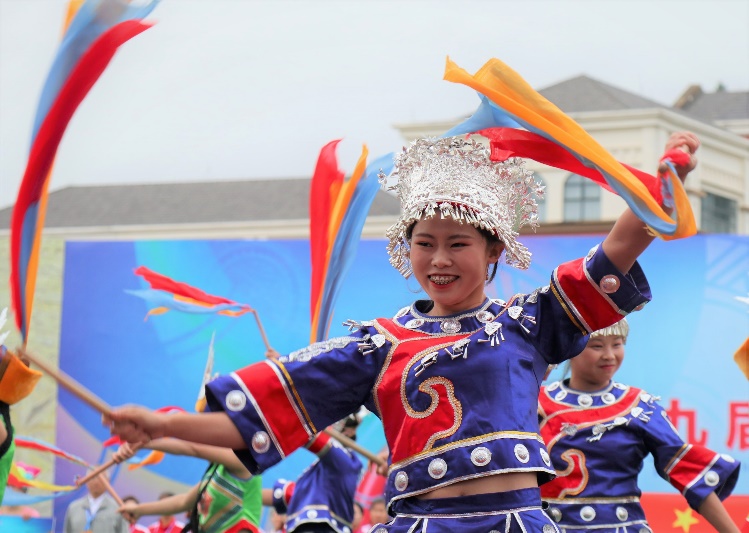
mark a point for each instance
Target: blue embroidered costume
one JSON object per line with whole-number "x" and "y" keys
{"x": 324, "y": 493}
{"x": 458, "y": 395}
{"x": 598, "y": 441}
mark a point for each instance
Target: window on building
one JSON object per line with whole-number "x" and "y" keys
{"x": 541, "y": 201}
{"x": 582, "y": 199}
{"x": 718, "y": 214}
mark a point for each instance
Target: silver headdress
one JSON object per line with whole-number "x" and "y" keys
{"x": 620, "y": 329}
{"x": 455, "y": 178}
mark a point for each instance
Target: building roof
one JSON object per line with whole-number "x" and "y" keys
{"x": 717, "y": 106}
{"x": 584, "y": 93}
{"x": 185, "y": 203}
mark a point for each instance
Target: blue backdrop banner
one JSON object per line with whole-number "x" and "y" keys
{"x": 680, "y": 347}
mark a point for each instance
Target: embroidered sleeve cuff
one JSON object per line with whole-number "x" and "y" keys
{"x": 698, "y": 471}
{"x": 720, "y": 478}
{"x": 253, "y": 413}
{"x": 595, "y": 293}
{"x": 320, "y": 444}
{"x": 282, "y": 492}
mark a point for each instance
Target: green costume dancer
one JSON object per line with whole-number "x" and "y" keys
{"x": 229, "y": 504}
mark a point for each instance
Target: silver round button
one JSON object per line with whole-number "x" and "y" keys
{"x": 610, "y": 284}
{"x": 548, "y": 528}
{"x": 401, "y": 481}
{"x": 712, "y": 478}
{"x": 621, "y": 513}
{"x": 312, "y": 514}
{"x": 545, "y": 457}
{"x": 261, "y": 442}
{"x": 608, "y": 398}
{"x": 414, "y": 323}
{"x": 585, "y": 400}
{"x": 553, "y": 386}
{"x": 236, "y": 400}
{"x": 481, "y": 456}
{"x": 450, "y": 326}
{"x": 587, "y": 513}
{"x": 437, "y": 468}
{"x": 402, "y": 312}
{"x": 278, "y": 493}
{"x": 485, "y": 316}
{"x": 555, "y": 514}
{"x": 561, "y": 395}
{"x": 521, "y": 453}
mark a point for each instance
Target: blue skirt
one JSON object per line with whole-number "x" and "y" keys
{"x": 517, "y": 511}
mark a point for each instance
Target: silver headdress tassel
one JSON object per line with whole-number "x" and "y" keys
{"x": 620, "y": 329}
{"x": 455, "y": 178}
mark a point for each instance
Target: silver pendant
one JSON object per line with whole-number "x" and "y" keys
{"x": 414, "y": 323}
{"x": 515, "y": 311}
{"x": 450, "y": 325}
{"x": 485, "y": 317}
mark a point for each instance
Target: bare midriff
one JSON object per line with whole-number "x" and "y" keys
{"x": 485, "y": 485}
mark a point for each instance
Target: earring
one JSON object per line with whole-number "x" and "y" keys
{"x": 416, "y": 290}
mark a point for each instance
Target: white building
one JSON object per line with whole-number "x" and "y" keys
{"x": 635, "y": 129}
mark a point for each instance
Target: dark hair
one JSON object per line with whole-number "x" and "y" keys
{"x": 166, "y": 494}
{"x": 377, "y": 500}
{"x": 130, "y": 497}
{"x": 360, "y": 506}
{"x": 488, "y": 236}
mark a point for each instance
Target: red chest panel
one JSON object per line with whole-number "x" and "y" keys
{"x": 410, "y": 430}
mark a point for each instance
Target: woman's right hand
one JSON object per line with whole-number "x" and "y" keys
{"x": 136, "y": 425}
{"x": 129, "y": 511}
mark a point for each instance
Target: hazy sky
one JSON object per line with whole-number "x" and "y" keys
{"x": 233, "y": 89}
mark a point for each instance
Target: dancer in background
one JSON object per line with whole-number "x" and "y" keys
{"x": 598, "y": 433}
{"x": 227, "y": 497}
{"x": 322, "y": 498}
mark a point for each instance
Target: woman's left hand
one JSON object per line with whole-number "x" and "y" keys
{"x": 687, "y": 142}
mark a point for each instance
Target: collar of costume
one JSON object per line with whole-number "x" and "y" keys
{"x": 415, "y": 318}
{"x": 456, "y": 178}
{"x": 562, "y": 393}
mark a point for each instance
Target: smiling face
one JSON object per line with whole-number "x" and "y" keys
{"x": 450, "y": 261}
{"x": 596, "y": 365}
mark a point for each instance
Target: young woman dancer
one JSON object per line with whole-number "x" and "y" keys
{"x": 454, "y": 378}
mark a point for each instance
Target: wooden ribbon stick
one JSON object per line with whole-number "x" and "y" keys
{"x": 111, "y": 491}
{"x": 262, "y": 331}
{"x": 343, "y": 439}
{"x": 71, "y": 385}
{"x": 101, "y": 468}
{"x": 89, "y": 398}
